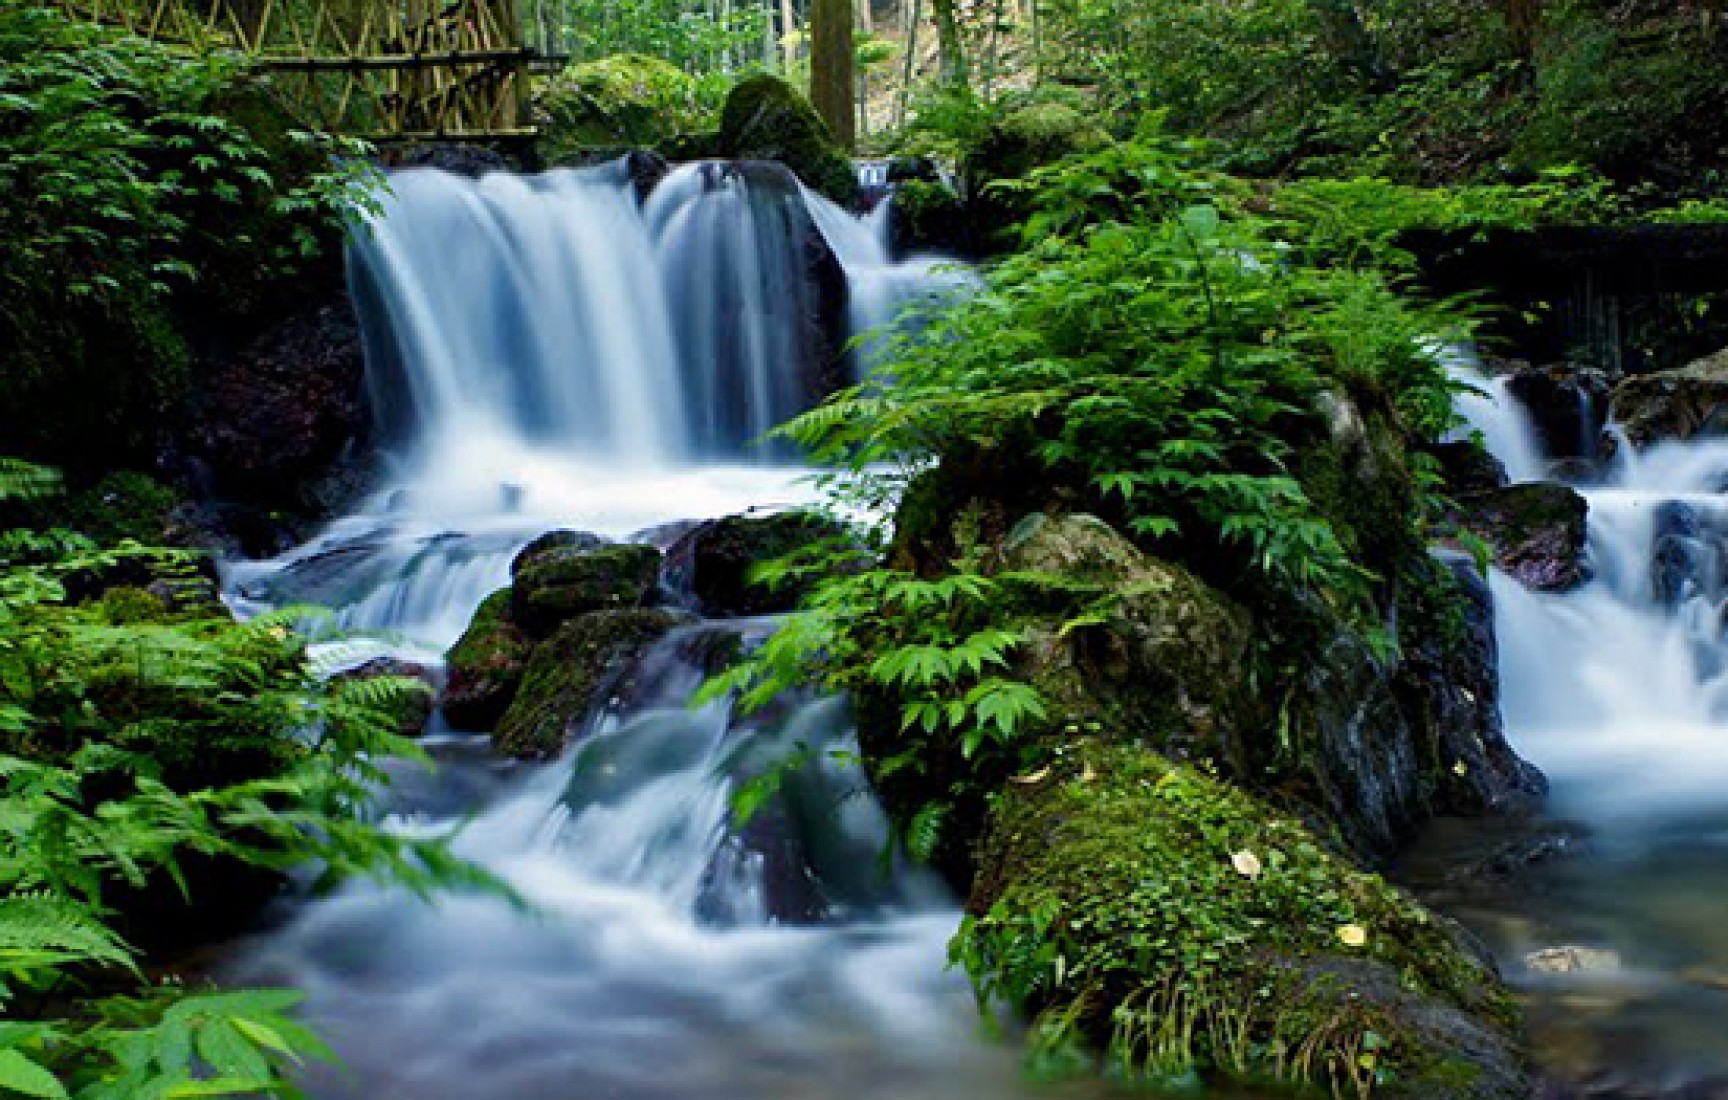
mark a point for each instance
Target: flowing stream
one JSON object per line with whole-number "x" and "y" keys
{"x": 1619, "y": 692}
{"x": 550, "y": 351}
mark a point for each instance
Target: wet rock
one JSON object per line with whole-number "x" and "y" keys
{"x": 1572, "y": 960}
{"x": 272, "y": 425}
{"x": 765, "y": 118}
{"x": 408, "y": 710}
{"x": 465, "y": 159}
{"x": 1466, "y": 467}
{"x": 560, "y": 583}
{"x": 1448, "y": 683}
{"x": 554, "y": 544}
{"x": 1675, "y": 404}
{"x": 712, "y": 564}
{"x": 1537, "y": 533}
{"x": 1567, "y": 405}
{"x": 484, "y": 668}
{"x": 567, "y": 673}
{"x": 1683, "y": 558}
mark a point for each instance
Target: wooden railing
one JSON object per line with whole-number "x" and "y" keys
{"x": 385, "y": 69}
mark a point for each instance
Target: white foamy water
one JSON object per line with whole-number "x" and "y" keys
{"x": 552, "y": 353}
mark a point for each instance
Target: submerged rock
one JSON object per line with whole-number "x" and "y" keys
{"x": 484, "y": 668}
{"x": 1537, "y": 533}
{"x": 712, "y": 564}
{"x": 1681, "y": 559}
{"x": 562, "y": 582}
{"x": 1675, "y": 404}
{"x": 566, "y": 673}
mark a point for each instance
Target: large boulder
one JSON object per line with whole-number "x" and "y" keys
{"x": 1537, "y": 533}
{"x": 274, "y": 424}
{"x": 563, "y": 583}
{"x": 766, "y": 119}
{"x": 566, "y": 673}
{"x": 621, "y": 102}
{"x": 1675, "y": 404}
{"x": 1190, "y": 931}
{"x": 484, "y": 668}
{"x": 713, "y": 565}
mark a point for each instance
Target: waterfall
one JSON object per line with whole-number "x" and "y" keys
{"x": 552, "y": 350}
{"x": 1619, "y": 691}
{"x": 1489, "y": 410}
{"x": 549, "y": 351}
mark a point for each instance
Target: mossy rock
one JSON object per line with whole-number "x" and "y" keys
{"x": 1538, "y": 533}
{"x": 621, "y": 102}
{"x": 562, "y": 542}
{"x": 564, "y": 583}
{"x": 1356, "y": 471}
{"x": 485, "y": 667}
{"x": 1032, "y": 131}
{"x": 928, "y": 216}
{"x": 715, "y": 562}
{"x": 1675, "y": 404}
{"x": 1155, "y": 913}
{"x": 566, "y": 674}
{"x": 766, "y": 119}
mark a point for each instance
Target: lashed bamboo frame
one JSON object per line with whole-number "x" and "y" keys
{"x": 385, "y": 69}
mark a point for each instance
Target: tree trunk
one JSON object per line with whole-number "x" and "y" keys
{"x": 1525, "y": 19}
{"x": 950, "y": 46}
{"x": 914, "y": 16}
{"x": 831, "y": 65}
{"x": 788, "y": 31}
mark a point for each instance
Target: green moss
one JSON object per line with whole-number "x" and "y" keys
{"x": 1357, "y": 474}
{"x": 766, "y": 119}
{"x": 621, "y": 102}
{"x": 1152, "y": 911}
{"x": 485, "y": 666}
{"x": 565, "y": 674}
{"x": 928, "y": 216}
{"x": 123, "y": 505}
{"x": 561, "y": 585}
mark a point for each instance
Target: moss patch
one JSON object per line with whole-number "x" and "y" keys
{"x": 622, "y": 102}
{"x": 567, "y": 672}
{"x": 1151, "y": 911}
{"x": 561, "y": 584}
{"x": 766, "y": 119}
{"x": 485, "y": 666}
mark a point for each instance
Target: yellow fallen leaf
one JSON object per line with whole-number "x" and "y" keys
{"x": 1247, "y": 864}
{"x": 1038, "y": 776}
{"x": 1353, "y": 935}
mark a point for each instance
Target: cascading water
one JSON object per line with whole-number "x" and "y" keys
{"x": 1619, "y": 692}
{"x": 555, "y": 354}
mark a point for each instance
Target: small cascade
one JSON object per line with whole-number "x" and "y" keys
{"x": 550, "y": 352}
{"x": 1489, "y": 409}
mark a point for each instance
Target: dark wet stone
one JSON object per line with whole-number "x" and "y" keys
{"x": 1537, "y": 533}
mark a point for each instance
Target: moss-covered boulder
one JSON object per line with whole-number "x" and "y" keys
{"x": 1169, "y": 661}
{"x": 929, "y": 216}
{"x": 766, "y": 119}
{"x": 1189, "y": 931}
{"x": 621, "y": 102}
{"x": 1537, "y": 532}
{"x": 1675, "y": 404}
{"x": 566, "y": 674}
{"x": 713, "y": 565}
{"x": 484, "y": 668}
{"x": 559, "y": 543}
{"x": 561, "y": 584}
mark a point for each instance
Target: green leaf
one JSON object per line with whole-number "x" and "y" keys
{"x": 21, "y": 1075}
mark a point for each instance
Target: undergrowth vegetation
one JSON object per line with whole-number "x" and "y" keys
{"x": 158, "y": 759}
